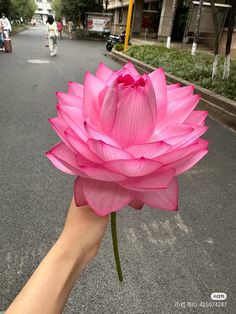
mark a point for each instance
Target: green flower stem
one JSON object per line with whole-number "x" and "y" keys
{"x": 115, "y": 245}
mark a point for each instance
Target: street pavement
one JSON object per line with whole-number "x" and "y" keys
{"x": 167, "y": 257}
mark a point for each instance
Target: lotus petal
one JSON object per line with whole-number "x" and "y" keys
{"x": 107, "y": 152}
{"x": 196, "y": 117}
{"x": 187, "y": 162}
{"x": 63, "y": 159}
{"x": 69, "y": 100}
{"x": 82, "y": 147}
{"x": 180, "y": 153}
{"x": 178, "y": 111}
{"x": 149, "y": 150}
{"x": 173, "y": 86}
{"x": 73, "y": 117}
{"x": 158, "y": 80}
{"x": 76, "y": 89}
{"x": 166, "y": 199}
{"x": 157, "y": 180}
{"x": 92, "y": 133}
{"x": 129, "y": 68}
{"x": 80, "y": 199}
{"x": 173, "y": 133}
{"x": 101, "y": 174}
{"x": 134, "y": 108}
{"x": 94, "y": 92}
{"x": 105, "y": 197}
{"x": 103, "y": 73}
{"x": 133, "y": 167}
{"x": 173, "y": 95}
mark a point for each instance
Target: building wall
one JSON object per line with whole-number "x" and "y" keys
{"x": 44, "y": 7}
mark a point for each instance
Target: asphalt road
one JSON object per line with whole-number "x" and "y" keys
{"x": 167, "y": 258}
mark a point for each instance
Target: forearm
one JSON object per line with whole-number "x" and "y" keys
{"x": 49, "y": 287}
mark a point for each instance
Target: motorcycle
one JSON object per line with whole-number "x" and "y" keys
{"x": 112, "y": 39}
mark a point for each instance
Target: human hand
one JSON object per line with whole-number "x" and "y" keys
{"x": 83, "y": 232}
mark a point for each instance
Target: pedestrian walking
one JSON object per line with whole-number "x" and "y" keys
{"x": 6, "y": 25}
{"x": 60, "y": 27}
{"x": 52, "y": 35}
{"x": 70, "y": 26}
{"x": 1, "y": 36}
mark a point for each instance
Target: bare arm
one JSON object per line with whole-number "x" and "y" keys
{"x": 49, "y": 287}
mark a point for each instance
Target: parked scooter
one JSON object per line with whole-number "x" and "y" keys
{"x": 112, "y": 39}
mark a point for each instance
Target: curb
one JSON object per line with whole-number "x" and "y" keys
{"x": 19, "y": 30}
{"x": 220, "y": 108}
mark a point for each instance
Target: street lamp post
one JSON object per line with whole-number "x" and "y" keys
{"x": 127, "y": 32}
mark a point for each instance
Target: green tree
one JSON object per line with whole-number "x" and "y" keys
{"x": 5, "y": 7}
{"x": 74, "y": 9}
{"x": 57, "y": 8}
{"x": 22, "y": 8}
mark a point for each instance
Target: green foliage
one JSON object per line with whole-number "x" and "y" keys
{"x": 75, "y": 9}
{"x": 57, "y": 8}
{"x": 5, "y": 7}
{"x": 196, "y": 69}
{"x": 20, "y": 8}
{"x": 119, "y": 47}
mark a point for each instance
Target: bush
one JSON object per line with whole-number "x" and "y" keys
{"x": 119, "y": 47}
{"x": 196, "y": 69}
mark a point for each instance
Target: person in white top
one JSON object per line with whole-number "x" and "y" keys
{"x": 52, "y": 35}
{"x": 6, "y": 24}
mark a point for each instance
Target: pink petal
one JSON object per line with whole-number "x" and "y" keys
{"x": 149, "y": 150}
{"x": 130, "y": 69}
{"x": 78, "y": 192}
{"x": 158, "y": 80}
{"x": 103, "y": 73}
{"x": 198, "y": 130}
{"x": 101, "y": 174}
{"x": 174, "y": 94}
{"x": 107, "y": 152}
{"x": 196, "y": 117}
{"x": 94, "y": 92}
{"x": 59, "y": 126}
{"x": 180, "y": 153}
{"x": 135, "y": 114}
{"x": 109, "y": 108}
{"x": 179, "y": 110}
{"x": 73, "y": 117}
{"x": 69, "y": 100}
{"x": 63, "y": 159}
{"x": 82, "y": 148}
{"x": 112, "y": 78}
{"x": 164, "y": 199}
{"x": 173, "y": 86}
{"x": 76, "y": 89}
{"x": 173, "y": 133}
{"x": 92, "y": 133}
{"x": 105, "y": 197}
{"x": 136, "y": 203}
{"x": 157, "y": 180}
{"x": 133, "y": 167}
{"x": 187, "y": 162}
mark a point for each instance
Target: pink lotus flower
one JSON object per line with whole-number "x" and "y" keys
{"x": 127, "y": 137}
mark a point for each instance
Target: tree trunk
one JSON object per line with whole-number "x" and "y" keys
{"x": 216, "y": 46}
{"x": 229, "y": 40}
{"x": 197, "y": 26}
{"x": 174, "y": 8}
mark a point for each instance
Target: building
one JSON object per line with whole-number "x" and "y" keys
{"x": 151, "y": 20}
{"x": 44, "y": 7}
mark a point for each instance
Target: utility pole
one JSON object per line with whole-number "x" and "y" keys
{"x": 127, "y": 32}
